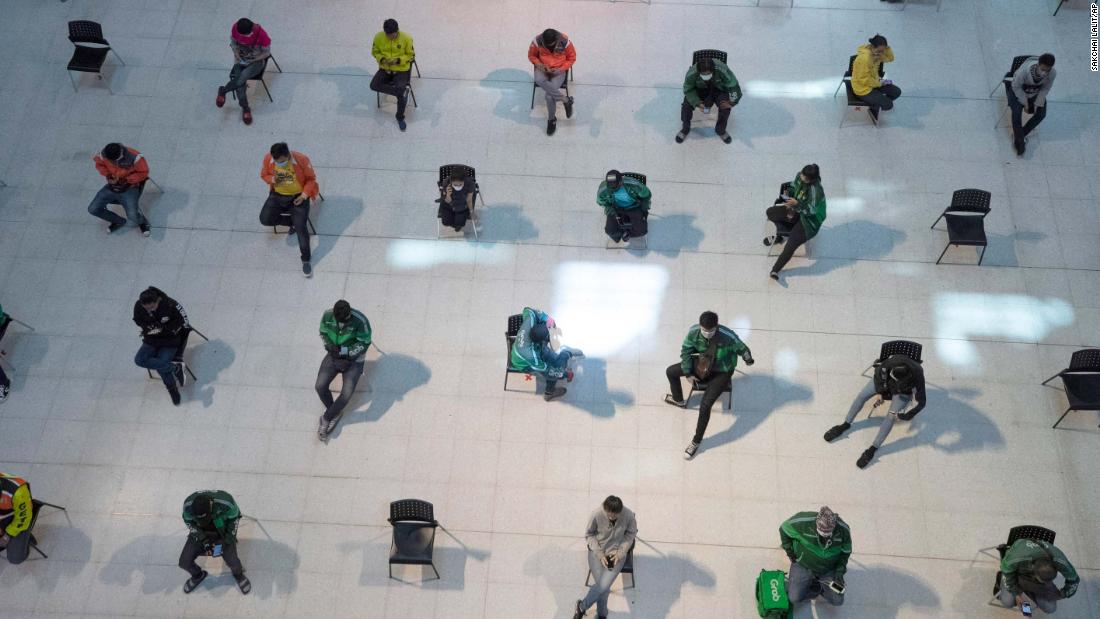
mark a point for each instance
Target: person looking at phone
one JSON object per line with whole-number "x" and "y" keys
{"x": 532, "y": 353}
{"x": 866, "y": 81}
{"x": 125, "y": 170}
{"x": 1028, "y": 570}
{"x": 211, "y": 517}
{"x": 802, "y": 209}
{"x": 818, "y": 545}
{"x": 610, "y": 536}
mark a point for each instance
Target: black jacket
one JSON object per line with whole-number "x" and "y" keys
{"x": 887, "y": 387}
{"x": 162, "y": 327}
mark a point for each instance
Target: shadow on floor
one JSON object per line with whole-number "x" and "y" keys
{"x": 390, "y": 377}
{"x": 515, "y": 89}
{"x": 207, "y": 360}
{"x": 871, "y": 241}
{"x": 505, "y": 222}
{"x": 589, "y": 391}
{"x": 760, "y": 395}
{"x": 332, "y": 217}
{"x": 671, "y": 234}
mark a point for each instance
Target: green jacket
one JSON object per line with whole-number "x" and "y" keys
{"x": 723, "y": 79}
{"x": 226, "y": 516}
{"x": 634, "y": 187}
{"x": 1017, "y": 566}
{"x": 401, "y": 48}
{"x": 528, "y": 355}
{"x": 799, "y": 538}
{"x": 811, "y": 204}
{"x": 725, "y": 358}
{"x": 351, "y": 340}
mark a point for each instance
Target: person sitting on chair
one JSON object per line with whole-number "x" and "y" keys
{"x": 5, "y": 382}
{"x": 1028, "y": 570}
{"x": 16, "y": 515}
{"x": 1030, "y": 85}
{"x": 531, "y": 352}
{"x": 553, "y": 54}
{"x": 802, "y": 209}
{"x": 162, "y": 321}
{"x": 456, "y": 201}
{"x": 611, "y": 532}
{"x": 709, "y": 82}
{"x": 709, "y": 354}
{"x": 125, "y": 170}
{"x": 211, "y": 517}
{"x": 866, "y": 84}
{"x": 346, "y": 335}
{"x": 818, "y": 546}
{"x": 625, "y": 201}
{"x": 898, "y": 379}
{"x": 251, "y": 48}
{"x": 393, "y": 49}
{"x": 291, "y": 183}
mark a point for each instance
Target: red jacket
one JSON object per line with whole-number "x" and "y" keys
{"x": 133, "y": 175}
{"x": 558, "y": 59}
{"x": 303, "y": 169}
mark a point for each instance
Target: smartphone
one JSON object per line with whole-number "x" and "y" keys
{"x": 1025, "y": 608}
{"x": 610, "y": 562}
{"x": 837, "y": 588}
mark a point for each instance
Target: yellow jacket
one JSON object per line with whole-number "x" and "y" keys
{"x": 865, "y": 69}
{"x": 401, "y": 48}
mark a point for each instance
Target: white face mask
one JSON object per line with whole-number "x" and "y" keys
{"x": 283, "y": 164}
{"x": 706, "y": 76}
{"x": 457, "y": 187}
{"x": 708, "y": 334}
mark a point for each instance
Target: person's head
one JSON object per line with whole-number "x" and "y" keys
{"x": 244, "y": 26}
{"x": 1044, "y": 569}
{"x": 280, "y": 153}
{"x": 811, "y": 174}
{"x": 878, "y": 44}
{"x": 390, "y": 28}
{"x": 458, "y": 182}
{"x": 825, "y": 522}
{"x": 540, "y": 333}
{"x": 900, "y": 372}
{"x": 113, "y": 152}
{"x": 708, "y": 324}
{"x": 705, "y": 67}
{"x": 550, "y": 37}
{"x": 1046, "y": 63}
{"x": 614, "y": 179}
{"x": 149, "y": 299}
{"x": 341, "y": 311}
{"x": 202, "y": 509}
{"x": 612, "y": 507}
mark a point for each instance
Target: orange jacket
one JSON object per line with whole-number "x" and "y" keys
{"x": 303, "y": 169}
{"x": 133, "y": 175}
{"x": 558, "y": 59}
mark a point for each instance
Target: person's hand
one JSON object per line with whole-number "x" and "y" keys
{"x": 1020, "y": 600}
{"x": 724, "y": 105}
{"x": 550, "y": 324}
{"x": 749, "y": 360}
{"x": 701, "y": 107}
{"x": 791, "y": 202}
{"x": 887, "y": 82}
{"x": 791, "y": 557}
{"x": 298, "y": 200}
{"x": 602, "y": 557}
{"x": 839, "y": 580}
{"x": 610, "y": 559}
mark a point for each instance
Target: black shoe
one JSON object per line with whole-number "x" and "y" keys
{"x": 181, "y": 376}
{"x": 145, "y": 229}
{"x": 626, "y": 237}
{"x": 865, "y": 458}
{"x": 674, "y": 402}
{"x": 191, "y": 583}
{"x": 4, "y": 390}
{"x": 291, "y": 230}
{"x": 1021, "y": 146}
{"x": 727, "y": 138}
{"x": 551, "y": 126}
{"x": 307, "y": 268}
{"x": 773, "y": 240}
{"x": 113, "y": 227}
{"x": 578, "y": 610}
{"x": 569, "y": 107}
{"x": 836, "y": 431}
{"x": 401, "y": 124}
{"x": 325, "y": 427}
{"x": 691, "y": 450}
{"x": 680, "y": 137}
{"x": 774, "y": 275}
{"x": 244, "y": 584}
{"x": 175, "y": 393}
{"x": 555, "y": 394}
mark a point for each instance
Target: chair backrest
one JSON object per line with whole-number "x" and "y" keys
{"x": 1017, "y": 62}
{"x": 514, "y": 323}
{"x": 1030, "y": 531}
{"x": 900, "y": 347}
{"x": 783, "y": 187}
{"x": 713, "y": 54}
{"x": 414, "y": 510}
{"x": 969, "y": 201}
{"x": 638, "y": 176}
{"x": 455, "y": 169}
{"x": 85, "y": 31}
{"x": 851, "y": 63}
{"x": 1086, "y": 359}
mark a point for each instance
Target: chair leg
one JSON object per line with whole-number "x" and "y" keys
{"x": 276, "y": 63}
{"x": 588, "y": 579}
{"x": 633, "y": 583}
{"x": 157, "y": 185}
{"x": 38, "y": 550}
{"x": 267, "y": 91}
{"x": 75, "y": 90}
{"x": 417, "y": 67}
{"x": 194, "y": 330}
{"x": 391, "y": 570}
{"x": 837, "y": 91}
{"x": 942, "y": 253}
{"x": 1050, "y": 379}
{"x": 432, "y": 565}
{"x": 981, "y": 256}
{"x": 117, "y": 56}
{"x": 729, "y": 400}
{"x": 506, "y": 380}
{"x": 1058, "y": 8}
{"x": 534, "y": 87}
{"x": 1055, "y": 426}
{"x": 1001, "y": 117}
{"x": 309, "y": 222}
{"x": 413, "y": 95}
{"x": 933, "y": 226}
{"x": 187, "y": 369}
{"x": 17, "y": 321}
{"x": 52, "y": 505}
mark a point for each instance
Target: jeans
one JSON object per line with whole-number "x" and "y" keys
{"x": 601, "y": 589}
{"x": 128, "y": 199}
{"x": 897, "y": 405}
{"x": 4, "y": 380}
{"x": 1020, "y": 132}
{"x": 881, "y": 97}
{"x": 551, "y": 83}
{"x": 780, "y": 214}
{"x": 194, "y": 549}
{"x": 452, "y": 218}
{"x": 238, "y": 80}
{"x": 709, "y": 99}
{"x": 18, "y": 548}
{"x": 278, "y": 208}
{"x": 800, "y": 583}
{"x": 1045, "y": 597}
{"x": 556, "y": 363}
{"x": 159, "y": 360}
{"x": 350, "y": 370}
{"x": 636, "y": 218}
{"x": 393, "y": 83}
{"x": 716, "y": 385}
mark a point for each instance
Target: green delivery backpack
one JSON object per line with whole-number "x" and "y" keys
{"x": 771, "y": 595}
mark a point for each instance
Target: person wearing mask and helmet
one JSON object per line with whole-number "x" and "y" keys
{"x": 625, "y": 201}
{"x": 211, "y": 517}
{"x": 818, "y": 545}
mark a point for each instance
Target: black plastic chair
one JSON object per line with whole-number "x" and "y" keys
{"x": 628, "y": 568}
{"x": 565, "y": 85}
{"x": 449, "y": 171}
{"x": 853, "y": 100}
{"x": 713, "y": 54}
{"x": 36, "y": 509}
{"x": 413, "y": 542}
{"x": 966, "y": 220}
{"x": 624, "y": 224}
{"x": 515, "y": 321}
{"x": 90, "y": 51}
{"x": 1006, "y": 83}
{"x": 897, "y": 347}
{"x": 1081, "y": 382}
{"x": 1026, "y": 531}
{"x": 260, "y": 78}
{"x": 185, "y": 333}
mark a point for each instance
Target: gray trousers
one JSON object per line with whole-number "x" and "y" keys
{"x": 601, "y": 589}
{"x": 1046, "y": 597}
{"x": 238, "y": 80}
{"x": 897, "y": 405}
{"x": 800, "y": 584}
{"x": 551, "y": 83}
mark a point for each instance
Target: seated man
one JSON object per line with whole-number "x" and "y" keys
{"x": 162, "y": 322}
{"x": 898, "y": 379}
{"x": 125, "y": 170}
{"x": 211, "y": 517}
{"x": 531, "y": 352}
{"x": 802, "y": 209}
{"x": 552, "y": 54}
{"x": 1028, "y": 570}
{"x": 251, "y": 48}
{"x": 456, "y": 202}
{"x": 1030, "y": 86}
{"x": 5, "y": 382}
{"x": 15, "y": 518}
{"x": 394, "y": 52}
{"x": 866, "y": 68}
{"x": 818, "y": 546}
{"x": 291, "y": 183}
{"x": 610, "y": 536}
{"x": 625, "y": 201}
{"x": 709, "y": 353}
{"x": 346, "y": 335}
{"x": 709, "y": 82}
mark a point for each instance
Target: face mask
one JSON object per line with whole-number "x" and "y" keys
{"x": 706, "y": 76}
{"x": 824, "y": 534}
{"x": 283, "y": 164}
{"x": 708, "y": 334}
{"x": 457, "y": 187}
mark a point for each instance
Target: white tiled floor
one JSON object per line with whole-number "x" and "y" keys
{"x": 512, "y": 477}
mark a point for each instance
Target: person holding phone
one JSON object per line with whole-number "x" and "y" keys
{"x": 611, "y": 532}
{"x": 1030, "y": 85}
{"x": 802, "y": 208}
{"x": 346, "y": 336}
{"x": 707, "y": 83}
{"x": 211, "y": 517}
{"x": 818, "y": 545}
{"x": 251, "y": 47}
{"x": 393, "y": 49}
{"x": 552, "y": 55}
{"x": 163, "y": 323}
{"x": 625, "y": 201}
{"x": 16, "y": 517}
{"x": 866, "y": 71}
{"x": 531, "y": 352}
{"x": 456, "y": 201}
{"x": 291, "y": 184}
{"x": 125, "y": 170}
{"x": 1028, "y": 570}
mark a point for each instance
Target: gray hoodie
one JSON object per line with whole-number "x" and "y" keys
{"x": 618, "y": 539}
{"x": 1024, "y": 87}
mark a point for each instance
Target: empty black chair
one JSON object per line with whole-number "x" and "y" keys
{"x": 966, "y": 220}
{"x": 515, "y": 321}
{"x": 260, "y": 77}
{"x": 90, "y": 51}
{"x": 1026, "y": 531}
{"x": 565, "y": 85}
{"x": 449, "y": 171}
{"x": 628, "y": 568}
{"x": 713, "y": 54}
{"x": 185, "y": 333}
{"x": 1081, "y": 382}
{"x": 853, "y": 100}
{"x": 414, "y": 526}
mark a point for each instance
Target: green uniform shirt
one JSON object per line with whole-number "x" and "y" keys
{"x": 1018, "y": 566}
{"x": 725, "y": 357}
{"x": 225, "y": 514}
{"x": 799, "y": 538}
{"x": 641, "y": 194}
{"x": 723, "y": 79}
{"x": 811, "y": 204}
{"x": 353, "y": 337}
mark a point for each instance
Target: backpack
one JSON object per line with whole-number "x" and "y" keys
{"x": 771, "y": 595}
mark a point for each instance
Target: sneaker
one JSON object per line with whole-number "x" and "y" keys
{"x": 1021, "y": 146}
{"x": 578, "y": 610}
{"x": 181, "y": 376}
{"x": 727, "y": 138}
{"x": 836, "y": 431}
{"x": 244, "y": 584}
{"x": 680, "y": 137}
{"x": 865, "y": 458}
{"x": 220, "y": 101}
{"x": 325, "y": 427}
{"x": 4, "y": 390}
{"x": 774, "y": 275}
{"x": 691, "y": 450}
{"x": 113, "y": 227}
{"x": 175, "y": 393}
{"x": 555, "y": 394}
{"x": 307, "y": 269}
{"x": 401, "y": 125}
{"x": 246, "y": 116}
{"x": 626, "y": 237}
{"x": 674, "y": 402}
{"x": 569, "y": 376}
{"x": 145, "y": 229}
{"x": 769, "y": 241}
{"x": 191, "y": 583}
{"x": 569, "y": 107}
{"x": 551, "y": 126}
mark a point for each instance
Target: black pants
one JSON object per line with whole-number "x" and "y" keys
{"x": 635, "y": 217}
{"x": 453, "y": 219}
{"x": 194, "y": 549}
{"x": 350, "y": 371}
{"x": 393, "y": 83}
{"x": 278, "y": 209}
{"x": 881, "y": 97}
{"x": 716, "y": 384}
{"x": 1020, "y": 132}
{"x": 711, "y": 98}
{"x": 18, "y": 548}
{"x": 780, "y": 215}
